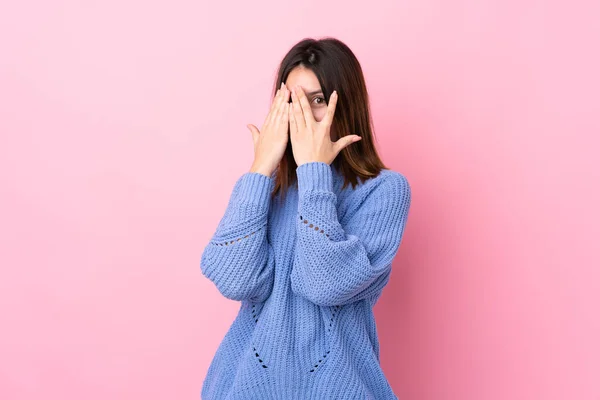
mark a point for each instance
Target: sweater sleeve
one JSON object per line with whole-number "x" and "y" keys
{"x": 335, "y": 264}
{"x": 239, "y": 259}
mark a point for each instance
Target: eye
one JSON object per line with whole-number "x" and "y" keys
{"x": 319, "y": 98}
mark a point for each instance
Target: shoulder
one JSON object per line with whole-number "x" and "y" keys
{"x": 387, "y": 192}
{"x": 389, "y": 184}
{"x": 378, "y": 206}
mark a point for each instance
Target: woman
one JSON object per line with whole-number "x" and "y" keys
{"x": 307, "y": 241}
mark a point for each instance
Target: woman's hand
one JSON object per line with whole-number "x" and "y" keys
{"x": 271, "y": 141}
{"x": 310, "y": 139}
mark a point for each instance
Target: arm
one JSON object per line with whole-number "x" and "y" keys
{"x": 239, "y": 259}
{"x": 335, "y": 264}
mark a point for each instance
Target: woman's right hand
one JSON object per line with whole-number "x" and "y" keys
{"x": 271, "y": 141}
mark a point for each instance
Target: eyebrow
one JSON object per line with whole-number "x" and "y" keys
{"x": 313, "y": 92}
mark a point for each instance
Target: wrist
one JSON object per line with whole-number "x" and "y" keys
{"x": 314, "y": 175}
{"x": 261, "y": 170}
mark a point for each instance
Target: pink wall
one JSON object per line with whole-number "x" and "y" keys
{"x": 123, "y": 130}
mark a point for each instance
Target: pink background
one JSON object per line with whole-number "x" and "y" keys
{"x": 123, "y": 130}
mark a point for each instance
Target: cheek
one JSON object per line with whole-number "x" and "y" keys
{"x": 319, "y": 113}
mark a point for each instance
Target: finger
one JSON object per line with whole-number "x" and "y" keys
{"x": 280, "y": 100}
{"x": 274, "y": 106}
{"x": 285, "y": 119}
{"x": 306, "y": 110}
{"x": 286, "y": 106}
{"x": 255, "y": 132}
{"x": 292, "y": 118}
{"x": 345, "y": 141}
{"x": 275, "y": 100}
{"x": 328, "y": 118}
{"x": 298, "y": 113}
{"x": 283, "y": 107}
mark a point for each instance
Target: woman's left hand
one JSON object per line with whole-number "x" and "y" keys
{"x": 310, "y": 139}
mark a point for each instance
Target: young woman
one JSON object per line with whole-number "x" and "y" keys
{"x": 307, "y": 241}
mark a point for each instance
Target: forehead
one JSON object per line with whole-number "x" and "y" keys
{"x": 304, "y": 77}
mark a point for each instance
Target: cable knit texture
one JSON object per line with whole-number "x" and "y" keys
{"x": 307, "y": 273}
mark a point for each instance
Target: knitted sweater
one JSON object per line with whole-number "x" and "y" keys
{"x": 307, "y": 272}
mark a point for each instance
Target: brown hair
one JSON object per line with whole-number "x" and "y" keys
{"x": 336, "y": 67}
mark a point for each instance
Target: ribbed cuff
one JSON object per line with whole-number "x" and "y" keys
{"x": 255, "y": 188}
{"x": 315, "y": 175}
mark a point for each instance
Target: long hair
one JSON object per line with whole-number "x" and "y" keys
{"x": 336, "y": 67}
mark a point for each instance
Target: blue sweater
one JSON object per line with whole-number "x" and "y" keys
{"x": 307, "y": 272}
